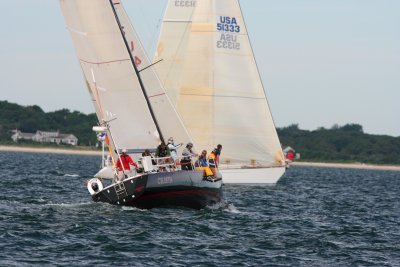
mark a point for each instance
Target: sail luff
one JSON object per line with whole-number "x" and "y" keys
{"x": 252, "y": 133}
{"x": 281, "y": 157}
{"x": 258, "y": 71}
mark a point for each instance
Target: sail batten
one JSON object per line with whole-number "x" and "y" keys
{"x": 105, "y": 62}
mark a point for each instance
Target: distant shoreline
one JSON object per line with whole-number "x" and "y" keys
{"x": 348, "y": 166}
{"x": 98, "y": 153}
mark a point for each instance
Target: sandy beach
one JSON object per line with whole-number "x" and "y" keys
{"x": 49, "y": 150}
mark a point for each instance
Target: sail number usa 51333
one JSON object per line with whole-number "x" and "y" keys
{"x": 228, "y": 24}
{"x": 229, "y": 28}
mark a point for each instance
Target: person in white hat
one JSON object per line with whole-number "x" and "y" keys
{"x": 172, "y": 147}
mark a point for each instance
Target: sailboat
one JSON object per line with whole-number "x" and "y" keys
{"x": 211, "y": 76}
{"x": 133, "y": 110}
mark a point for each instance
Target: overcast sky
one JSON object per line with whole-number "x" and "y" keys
{"x": 322, "y": 62}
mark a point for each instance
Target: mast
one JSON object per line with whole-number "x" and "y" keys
{"x": 137, "y": 72}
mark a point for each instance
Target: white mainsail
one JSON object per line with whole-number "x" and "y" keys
{"x": 210, "y": 73}
{"x": 111, "y": 77}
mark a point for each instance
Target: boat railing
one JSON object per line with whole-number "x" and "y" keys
{"x": 164, "y": 164}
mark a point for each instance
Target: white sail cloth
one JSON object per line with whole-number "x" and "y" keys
{"x": 210, "y": 73}
{"x": 111, "y": 78}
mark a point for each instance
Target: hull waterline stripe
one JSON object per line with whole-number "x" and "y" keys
{"x": 181, "y": 192}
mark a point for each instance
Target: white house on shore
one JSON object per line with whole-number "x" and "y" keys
{"x": 45, "y": 137}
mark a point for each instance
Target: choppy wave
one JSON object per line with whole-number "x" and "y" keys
{"x": 71, "y": 205}
{"x": 71, "y": 175}
{"x": 313, "y": 217}
{"x": 127, "y": 208}
{"x": 224, "y": 206}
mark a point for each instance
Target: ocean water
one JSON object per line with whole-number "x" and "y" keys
{"x": 312, "y": 217}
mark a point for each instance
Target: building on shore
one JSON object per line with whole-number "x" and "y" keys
{"x": 45, "y": 137}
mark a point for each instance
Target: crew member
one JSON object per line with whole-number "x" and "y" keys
{"x": 187, "y": 153}
{"x": 213, "y": 161}
{"x": 202, "y": 161}
{"x": 147, "y": 153}
{"x": 213, "y": 158}
{"x": 172, "y": 147}
{"x": 163, "y": 154}
{"x": 124, "y": 163}
{"x": 201, "y": 164}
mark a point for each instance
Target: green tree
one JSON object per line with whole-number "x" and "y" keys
{"x": 33, "y": 118}
{"x": 346, "y": 143}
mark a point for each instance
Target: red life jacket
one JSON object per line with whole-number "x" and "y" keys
{"x": 126, "y": 162}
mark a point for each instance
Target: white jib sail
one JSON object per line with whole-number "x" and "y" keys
{"x": 215, "y": 84}
{"x": 111, "y": 78}
{"x": 167, "y": 117}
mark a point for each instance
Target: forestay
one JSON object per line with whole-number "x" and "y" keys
{"x": 212, "y": 77}
{"x": 111, "y": 77}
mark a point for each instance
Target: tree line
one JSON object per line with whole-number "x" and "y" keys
{"x": 346, "y": 143}
{"x": 32, "y": 118}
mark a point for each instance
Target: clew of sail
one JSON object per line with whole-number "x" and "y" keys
{"x": 212, "y": 78}
{"x": 111, "y": 78}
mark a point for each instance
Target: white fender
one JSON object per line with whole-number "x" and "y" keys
{"x": 106, "y": 173}
{"x": 91, "y": 183}
{"x": 99, "y": 129}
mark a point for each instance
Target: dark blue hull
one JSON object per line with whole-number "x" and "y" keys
{"x": 180, "y": 188}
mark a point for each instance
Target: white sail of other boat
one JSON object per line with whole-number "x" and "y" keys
{"x": 112, "y": 79}
{"x": 210, "y": 73}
